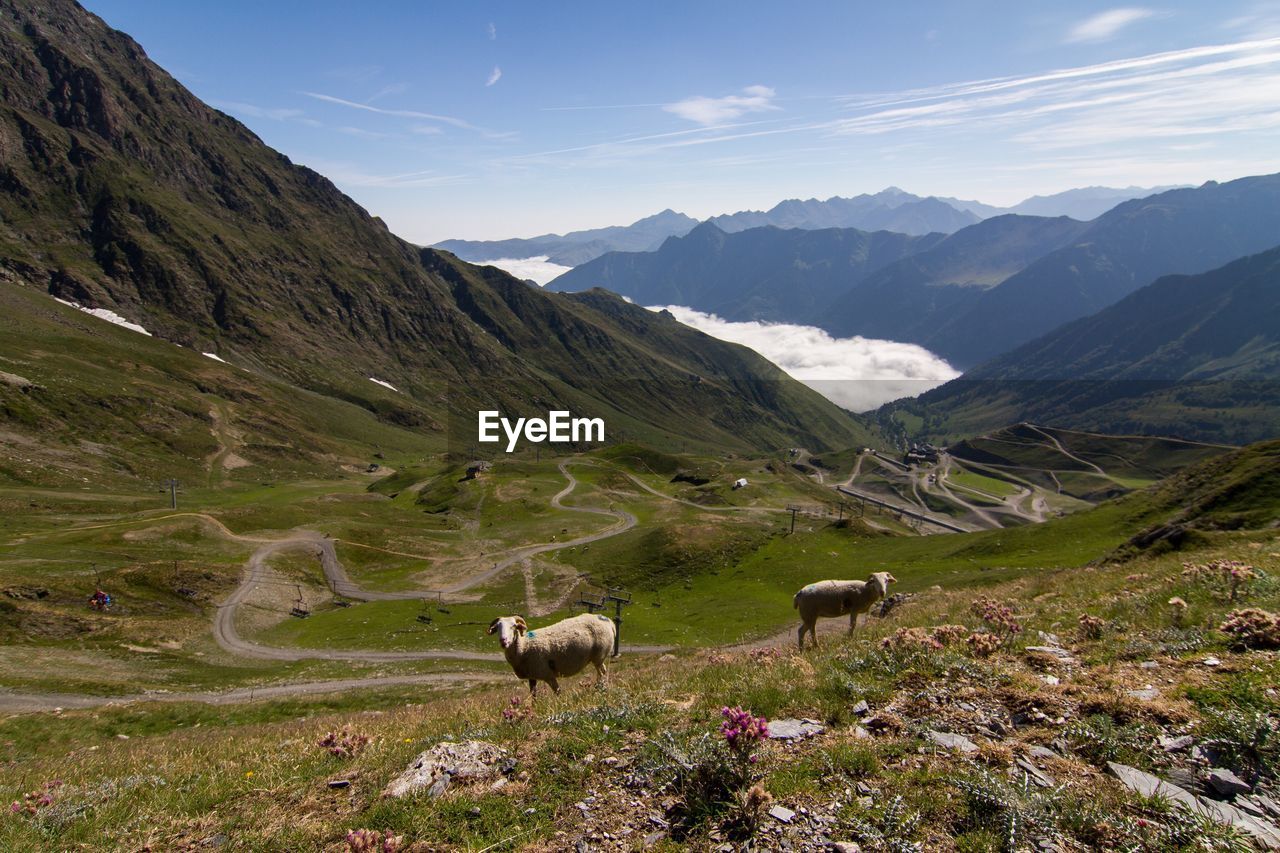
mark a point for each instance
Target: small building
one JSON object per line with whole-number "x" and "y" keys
{"x": 739, "y": 483}
{"x": 920, "y": 454}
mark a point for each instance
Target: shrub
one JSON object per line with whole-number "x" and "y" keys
{"x": 1247, "y": 739}
{"x": 516, "y": 711}
{"x": 1232, "y": 577}
{"x": 1099, "y": 739}
{"x": 713, "y": 779}
{"x": 765, "y": 655}
{"x": 936, "y": 638}
{"x": 1253, "y": 628}
{"x": 1091, "y": 627}
{"x": 344, "y": 742}
{"x": 999, "y": 616}
{"x": 33, "y": 801}
{"x": 905, "y": 639}
{"x": 891, "y": 829}
{"x": 1017, "y": 812}
{"x": 984, "y": 644}
{"x": 1018, "y": 816}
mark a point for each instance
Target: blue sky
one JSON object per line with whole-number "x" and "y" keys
{"x": 496, "y": 120}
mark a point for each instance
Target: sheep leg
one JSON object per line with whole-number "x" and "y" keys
{"x": 555, "y": 685}
{"x": 813, "y": 633}
{"x": 853, "y": 621}
{"x": 533, "y": 690}
{"x": 602, "y": 670}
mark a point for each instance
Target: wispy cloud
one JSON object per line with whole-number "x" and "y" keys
{"x": 254, "y": 111}
{"x": 452, "y": 121}
{"x": 1105, "y": 26}
{"x": 706, "y": 111}
{"x": 492, "y": 31}
{"x": 387, "y": 91}
{"x": 857, "y": 373}
{"x": 494, "y": 76}
{"x": 1259, "y": 20}
{"x": 601, "y": 107}
{"x": 347, "y": 174}
{"x": 361, "y": 132}
{"x": 1206, "y": 90}
{"x": 355, "y": 105}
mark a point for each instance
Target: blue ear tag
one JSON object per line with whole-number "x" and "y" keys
{"x": 530, "y": 634}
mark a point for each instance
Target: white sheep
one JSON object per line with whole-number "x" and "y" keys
{"x": 556, "y": 651}
{"x": 836, "y": 598}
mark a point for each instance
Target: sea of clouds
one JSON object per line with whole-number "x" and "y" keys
{"x": 538, "y": 268}
{"x": 856, "y": 373}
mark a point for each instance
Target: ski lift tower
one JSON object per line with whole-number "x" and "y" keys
{"x": 620, "y": 599}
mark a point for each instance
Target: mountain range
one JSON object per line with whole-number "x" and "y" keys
{"x": 967, "y": 296}
{"x": 760, "y": 274}
{"x": 890, "y": 209}
{"x": 1196, "y": 356}
{"x": 577, "y": 247}
{"x": 1188, "y": 230}
{"x": 1084, "y": 203}
{"x": 121, "y": 191}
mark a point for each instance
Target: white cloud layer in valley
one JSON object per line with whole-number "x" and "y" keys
{"x": 856, "y": 373}
{"x": 537, "y": 268}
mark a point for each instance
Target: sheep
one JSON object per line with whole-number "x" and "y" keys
{"x": 836, "y": 598}
{"x": 556, "y": 651}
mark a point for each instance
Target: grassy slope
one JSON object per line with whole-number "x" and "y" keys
{"x": 255, "y": 774}
{"x": 126, "y": 192}
{"x": 116, "y": 409}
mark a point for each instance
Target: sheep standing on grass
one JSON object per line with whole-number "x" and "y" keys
{"x": 557, "y": 651}
{"x": 836, "y": 598}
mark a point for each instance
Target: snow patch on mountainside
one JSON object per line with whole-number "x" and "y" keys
{"x": 108, "y": 315}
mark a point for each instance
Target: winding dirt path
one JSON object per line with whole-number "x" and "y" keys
{"x": 335, "y": 574}
{"x": 228, "y": 637}
{"x": 673, "y": 499}
{"x": 1067, "y": 453}
{"x": 853, "y": 475}
{"x": 24, "y": 703}
{"x": 624, "y": 522}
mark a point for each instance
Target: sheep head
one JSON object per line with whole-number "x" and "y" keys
{"x": 882, "y": 580}
{"x": 508, "y": 629}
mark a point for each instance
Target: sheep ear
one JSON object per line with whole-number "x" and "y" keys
{"x": 493, "y": 626}
{"x": 520, "y": 624}
{"x": 892, "y": 579}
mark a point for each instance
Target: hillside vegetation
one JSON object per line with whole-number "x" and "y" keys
{"x": 1192, "y": 356}
{"x": 927, "y": 738}
{"x": 122, "y": 191}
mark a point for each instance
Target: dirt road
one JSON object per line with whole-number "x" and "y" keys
{"x": 22, "y": 703}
